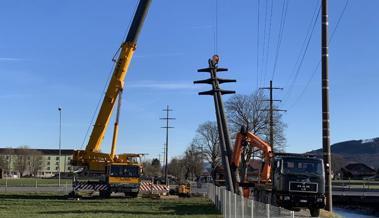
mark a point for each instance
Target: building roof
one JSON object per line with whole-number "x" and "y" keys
{"x": 19, "y": 151}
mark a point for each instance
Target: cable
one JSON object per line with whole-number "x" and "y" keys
{"x": 108, "y": 79}
{"x": 302, "y": 55}
{"x": 268, "y": 41}
{"x": 280, "y": 36}
{"x": 131, "y": 20}
{"x": 216, "y": 29}
{"x": 319, "y": 62}
{"x": 98, "y": 104}
{"x": 264, "y": 44}
{"x": 258, "y": 37}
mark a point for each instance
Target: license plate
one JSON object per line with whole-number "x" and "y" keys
{"x": 303, "y": 201}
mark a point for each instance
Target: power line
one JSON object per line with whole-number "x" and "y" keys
{"x": 268, "y": 41}
{"x": 216, "y": 29}
{"x": 264, "y": 44}
{"x": 302, "y": 55}
{"x": 319, "y": 62}
{"x": 258, "y": 37}
{"x": 280, "y": 35}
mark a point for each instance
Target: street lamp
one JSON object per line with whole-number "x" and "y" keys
{"x": 60, "y": 143}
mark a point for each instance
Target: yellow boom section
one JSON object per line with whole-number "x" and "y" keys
{"x": 116, "y": 84}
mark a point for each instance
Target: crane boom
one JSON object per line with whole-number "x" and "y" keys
{"x": 106, "y": 172}
{"x": 116, "y": 83}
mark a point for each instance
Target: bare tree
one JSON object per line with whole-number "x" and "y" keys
{"x": 193, "y": 162}
{"x": 152, "y": 168}
{"x": 34, "y": 162}
{"x": 27, "y": 161}
{"x": 251, "y": 111}
{"x": 176, "y": 168}
{"x": 207, "y": 139}
{"x": 9, "y": 152}
{"x": 21, "y": 160}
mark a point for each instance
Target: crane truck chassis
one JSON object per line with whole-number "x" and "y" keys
{"x": 291, "y": 181}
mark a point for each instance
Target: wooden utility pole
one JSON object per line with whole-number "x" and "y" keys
{"x": 325, "y": 105}
{"x": 167, "y": 118}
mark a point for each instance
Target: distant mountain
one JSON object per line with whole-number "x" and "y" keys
{"x": 361, "y": 151}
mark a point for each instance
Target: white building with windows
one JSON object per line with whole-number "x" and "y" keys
{"x": 34, "y": 162}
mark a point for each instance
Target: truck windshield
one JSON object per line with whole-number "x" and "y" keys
{"x": 124, "y": 171}
{"x": 302, "y": 166}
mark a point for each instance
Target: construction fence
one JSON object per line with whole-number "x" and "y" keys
{"x": 232, "y": 205}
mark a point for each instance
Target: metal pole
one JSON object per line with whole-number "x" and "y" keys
{"x": 60, "y": 144}
{"x": 242, "y": 206}
{"x": 325, "y": 106}
{"x": 252, "y": 208}
{"x": 167, "y": 118}
{"x": 166, "y": 150}
{"x": 271, "y": 117}
{"x": 225, "y": 204}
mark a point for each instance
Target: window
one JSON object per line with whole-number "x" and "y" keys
{"x": 56, "y": 168}
{"x": 56, "y": 163}
{"x": 302, "y": 166}
{"x": 57, "y": 158}
{"x": 48, "y": 168}
{"x": 68, "y": 168}
{"x": 124, "y": 171}
{"x": 48, "y": 158}
{"x": 48, "y": 163}
{"x": 69, "y": 158}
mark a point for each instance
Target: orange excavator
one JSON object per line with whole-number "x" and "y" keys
{"x": 243, "y": 139}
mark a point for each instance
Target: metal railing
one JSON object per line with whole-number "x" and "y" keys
{"x": 232, "y": 205}
{"x": 34, "y": 185}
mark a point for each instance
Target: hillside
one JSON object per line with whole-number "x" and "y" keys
{"x": 364, "y": 151}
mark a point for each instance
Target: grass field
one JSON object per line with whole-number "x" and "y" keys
{"x": 31, "y": 182}
{"x": 30, "y": 205}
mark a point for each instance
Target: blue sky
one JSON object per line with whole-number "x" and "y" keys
{"x": 58, "y": 53}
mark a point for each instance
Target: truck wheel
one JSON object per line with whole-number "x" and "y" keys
{"x": 315, "y": 212}
{"x": 274, "y": 199}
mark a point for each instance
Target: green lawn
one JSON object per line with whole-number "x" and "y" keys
{"x": 31, "y": 182}
{"x": 29, "y": 205}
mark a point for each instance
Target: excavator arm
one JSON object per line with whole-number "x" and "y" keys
{"x": 245, "y": 138}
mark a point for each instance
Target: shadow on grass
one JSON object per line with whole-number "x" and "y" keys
{"x": 108, "y": 211}
{"x": 32, "y": 197}
{"x": 191, "y": 208}
{"x": 39, "y": 196}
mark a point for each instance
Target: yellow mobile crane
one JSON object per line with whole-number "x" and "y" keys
{"x": 108, "y": 172}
